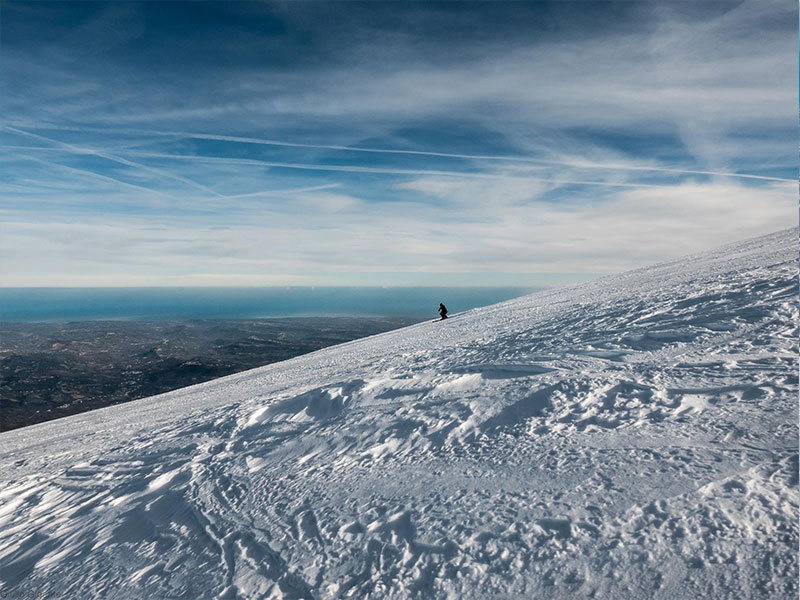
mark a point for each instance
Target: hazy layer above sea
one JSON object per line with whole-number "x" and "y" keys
{"x": 83, "y": 304}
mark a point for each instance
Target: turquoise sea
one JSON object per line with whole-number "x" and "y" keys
{"x": 86, "y": 304}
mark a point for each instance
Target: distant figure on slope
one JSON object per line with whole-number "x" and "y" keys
{"x": 442, "y": 311}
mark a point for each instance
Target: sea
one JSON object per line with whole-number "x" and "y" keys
{"x": 187, "y": 303}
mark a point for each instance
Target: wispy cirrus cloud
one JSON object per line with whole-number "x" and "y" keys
{"x": 338, "y": 142}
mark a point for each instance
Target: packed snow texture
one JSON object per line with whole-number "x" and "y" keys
{"x": 634, "y": 437}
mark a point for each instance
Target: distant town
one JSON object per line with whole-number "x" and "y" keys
{"x": 52, "y": 370}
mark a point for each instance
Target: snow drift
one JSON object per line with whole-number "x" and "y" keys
{"x": 634, "y": 437}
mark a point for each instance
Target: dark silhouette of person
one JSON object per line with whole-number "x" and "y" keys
{"x": 442, "y": 310}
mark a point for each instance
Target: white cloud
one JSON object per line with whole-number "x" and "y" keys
{"x": 275, "y": 211}
{"x": 469, "y": 234}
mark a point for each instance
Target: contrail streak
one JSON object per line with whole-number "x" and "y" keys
{"x": 389, "y": 171}
{"x": 105, "y": 178}
{"x": 579, "y": 164}
{"x": 304, "y": 190}
{"x": 79, "y": 150}
{"x": 502, "y": 158}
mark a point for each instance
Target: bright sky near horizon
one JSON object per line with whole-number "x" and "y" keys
{"x": 399, "y": 143}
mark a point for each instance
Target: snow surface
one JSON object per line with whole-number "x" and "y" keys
{"x": 634, "y": 437}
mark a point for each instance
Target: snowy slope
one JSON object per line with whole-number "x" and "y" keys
{"x": 634, "y": 437}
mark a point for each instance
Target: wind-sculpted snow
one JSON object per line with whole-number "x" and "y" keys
{"x": 634, "y": 437}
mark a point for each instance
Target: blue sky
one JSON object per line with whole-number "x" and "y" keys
{"x": 346, "y": 143}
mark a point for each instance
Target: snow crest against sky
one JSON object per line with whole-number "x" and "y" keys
{"x": 392, "y": 143}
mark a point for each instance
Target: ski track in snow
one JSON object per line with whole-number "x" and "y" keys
{"x": 634, "y": 437}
